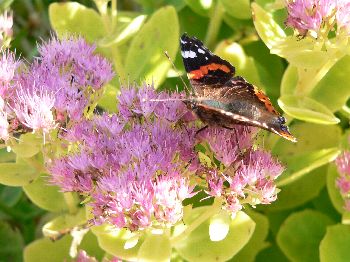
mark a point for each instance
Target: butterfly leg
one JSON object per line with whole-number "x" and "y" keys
{"x": 201, "y": 129}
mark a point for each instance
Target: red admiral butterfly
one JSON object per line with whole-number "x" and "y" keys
{"x": 223, "y": 99}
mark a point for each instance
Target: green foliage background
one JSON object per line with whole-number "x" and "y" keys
{"x": 306, "y": 223}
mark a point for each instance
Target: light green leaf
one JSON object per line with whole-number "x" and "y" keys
{"x": 28, "y": 145}
{"x": 335, "y": 245}
{"x": 155, "y": 248}
{"x": 301, "y": 233}
{"x": 311, "y": 138}
{"x": 17, "y": 174}
{"x": 307, "y": 109}
{"x": 74, "y": 18}
{"x": 45, "y": 196}
{"x": 90, "y": 245}
{"x": 124, "y": 32}
{"x": 145, "y": 58}
{"x": 114, "y": 241}
{"x": 269, "y": 31}
{"x": 198, "y": 246}
{"x": 333, "y": 90}
{"x": 62, "y": 223}
{"x": 108, "y": 99}
{"x": 43, "y": 250}
{"x": 289, "y": 81}
{"x": 301, "y": 164}
{"x": 239, "y": 8}
{"x": 333, "y": 190}
{"x": 7, "y": 156}
{"x": 257, "y": 241}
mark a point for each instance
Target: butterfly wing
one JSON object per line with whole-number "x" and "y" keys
{"x": 202, "y": 66}
{"x": 239, "y": 102}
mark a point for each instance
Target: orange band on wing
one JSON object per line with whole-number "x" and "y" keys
{"x": 263, "y": 98}
{"x": 203, "y": 70}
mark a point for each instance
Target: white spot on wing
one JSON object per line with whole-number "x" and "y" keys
{"x": 188, "y": 54}
{"x": 183, "y": 42}
{"x": 201, "y": 51}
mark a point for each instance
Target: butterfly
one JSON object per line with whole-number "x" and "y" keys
{"x": 220, "y": 98}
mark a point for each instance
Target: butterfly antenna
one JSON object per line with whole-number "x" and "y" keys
{"x": 177, "y": 72}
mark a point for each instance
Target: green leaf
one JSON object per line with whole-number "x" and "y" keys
{"x": 115, "y": 241}
{"x": 257, "y": 241}
{"x": 43, "y": 250}
{"x": 90, "y": 245}
{"x": 271, "y": 254}
{"x": 239, "y": 8}
{"x": 28, "y": 145}
{"x": 311, "y": 138}
{"x": 300, "y": 53}
{"x": 62, "y": 223}
{"x": 307, "y": 109}
{"x": 6, "y": 156}
{"x": 335, "y": 245}
{"x": 5, "y": 4}
{"x": 74, "y": 18}
{"x": 301, "y": 191}
{"x": 155, "y": 248}
{"x": 333, "y": 190}
{"x": 9, "y": 196}
{"x": 269, "y": 31}
{"x": 245, "y": 65}
{"x": 152, "y": 63}
{"x": 289, "y": 81}
{"x": 16, "y": 174}
{"x": 11, "y": 243}
{"x": 198, "y": 246}
{"x": 201, "y": 7}
{"x": 108, "y": 99}
{"x": 124, "y": 32}
{"x": 46, "y": 196}
{"x": 270, "y": 67}
{"x": 333, "y": 90}
{"x": 301, "y": 164}
{"x": 301, "y": 233}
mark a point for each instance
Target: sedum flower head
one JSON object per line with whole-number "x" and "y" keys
{"x": 56, "y": 88}
{"x": 138, "y": 165}
{"x": 134, "y": 165}
{"x": 318, "y": 17}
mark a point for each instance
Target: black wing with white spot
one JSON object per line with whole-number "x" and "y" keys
{"x": 202, "y": 65}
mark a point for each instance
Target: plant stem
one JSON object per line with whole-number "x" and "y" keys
{"x": 214, "y": 25}
{"x": 212, "y": 210}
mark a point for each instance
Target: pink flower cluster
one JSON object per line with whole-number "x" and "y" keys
{"x": 140, "y": 164}
{"x": 247, "y": 174}
{"x": 57, "y": 87}
{"x": 316, "y": 15}
{"x": 343, "y": 181}
{"x": 135, "y": 164}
